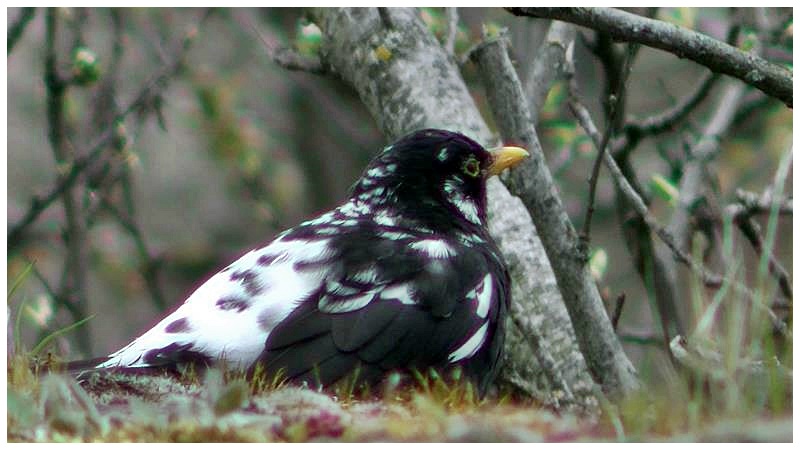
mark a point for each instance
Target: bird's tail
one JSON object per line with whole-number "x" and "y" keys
{"x": 70, "y": 367}
{"x": 74, "y": 367}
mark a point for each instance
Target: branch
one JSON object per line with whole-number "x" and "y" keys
{"x": 707, "y": 360}
{"x": 752, "y": 232}
{"x": 614, "y": 98}
{"x": 705, "y": 148}
{"x": 18, "y": 27}
{"x": 548, "y": 65}
{"x": 772, "y": 79}
{"x": 285, "y": 57}
{"x": 292, "y": 60}
{"x": 533, "y": 183}
{"x": 452, "y": 30}
{"x": 707, "y": 277}
{"x": 749, "y": 203}
{"x": 617, "y": 311}
{"x": 153, "y": 88}
{"x": 667, "y": 119}
{"x": 73, "y": 286}
{"x": 151, "y": 264}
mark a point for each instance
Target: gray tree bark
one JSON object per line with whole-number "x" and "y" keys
{"x": 407, "y": 81}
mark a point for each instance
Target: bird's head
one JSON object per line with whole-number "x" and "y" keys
{"x": 435, "y": 176}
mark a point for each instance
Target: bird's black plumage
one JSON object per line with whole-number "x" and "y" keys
{"x": 403, "y": 275}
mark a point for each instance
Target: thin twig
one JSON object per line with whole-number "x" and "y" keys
{"x": 772, "y": 79}
{"x": 152, "y": 88}
{"x": 707, "y": 277}
{"x": 72, "y": 289}
{"x": 292, "y": 60}
{"x": 285, "y": 57}
{"x": 613, "y": 100}
{"x": 752, "y": 232}
{"x": 618, "y": 310}
{"x": 667, "y": 119}
{"x": 749, "y": 203}
{"x": 16, "y": 29}
{"x": 548, "y": 65}
{"x": 151, "y": 264}
{"x": 638, "y": 239}
{"x": 452, "y": 30}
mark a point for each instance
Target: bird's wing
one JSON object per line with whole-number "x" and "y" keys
{"x": 392, "y": 300}
{"x": 229, "y": 317}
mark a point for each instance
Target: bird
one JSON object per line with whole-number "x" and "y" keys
{"x": 403, "y": 275}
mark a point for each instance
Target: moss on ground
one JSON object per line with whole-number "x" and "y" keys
{"x": 222, "y": 407}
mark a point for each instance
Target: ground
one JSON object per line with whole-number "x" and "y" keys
{"x": 224, "y": 407}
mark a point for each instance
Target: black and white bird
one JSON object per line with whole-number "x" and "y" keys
{"x": 402, "y": 275}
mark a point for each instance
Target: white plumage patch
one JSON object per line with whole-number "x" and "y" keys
{"x": 376, "y": 172}
{"x": 321, "y": 220}
{"x": 330, "y": 305}
{"x": 470, "y": 239}
{"x": 435, "y": 248}
{"x": 465, "y": 205}
{"x": 482, "y": 294}
{"x": 354, "y": 208}
{"x": 395, "y": 235}
{"x": 336, "y": 288}
{"x": 468, "y": 348}
{"x": 403, "y": 293}
{"x": 383, "y": 217}
{"x": 230, "y": 316}
{"x": 366, "y": 276}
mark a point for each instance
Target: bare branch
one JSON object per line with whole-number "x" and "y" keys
{"x": 17, "y": 28}
{"x": 139, "y": 103}
{"x": 283, "y": 56}
{"x": 752, "y": 232}
{"x": 548, "y": 65}
{"x": 452, "y": 30}
{"x": 749, "y": 203}
{"x": 707, "y": 277}
{"x": 533, "y": 183}
{"x": 73, "y": 287}
{"x": 618, "y": 311}
{"x": 613, "y": 99}
{"x": 772, "y": 79}
{"x": 291, "y": 60}
{"x": 667, "y": 119}
{"x": 691, "y": 184}
{"x": 706, "y": 359}
{"x": 151, "y": 264}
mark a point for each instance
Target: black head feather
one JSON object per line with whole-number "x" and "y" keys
{"x": 435, "y": 176}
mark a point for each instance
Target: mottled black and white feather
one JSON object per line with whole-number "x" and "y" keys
{"x": 402, "y": 275}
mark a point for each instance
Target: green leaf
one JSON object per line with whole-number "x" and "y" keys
{"x": 598, "y": 263}
{"x": 309, "y": 38}
{"x": 664, "y": 189}
{"x": 85, "y": 68}
{"x": 749, "y": 40}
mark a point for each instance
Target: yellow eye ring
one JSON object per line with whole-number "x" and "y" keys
{"x": 472, "y": 167}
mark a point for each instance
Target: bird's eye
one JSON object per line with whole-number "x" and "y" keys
{"x": 472, "y": 167}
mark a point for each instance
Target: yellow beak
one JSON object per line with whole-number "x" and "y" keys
{"x": 505, "y": 157}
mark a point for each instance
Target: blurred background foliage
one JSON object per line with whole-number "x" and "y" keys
{"x": 236, "y": 149}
